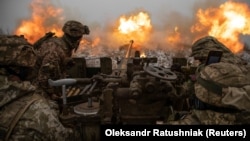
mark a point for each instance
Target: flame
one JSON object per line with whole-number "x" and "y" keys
{"x": 174, "y": 37}
{"x": 96, "y": 42}
{"x": 44, "y": 18}
{"x": 226, "y": 23}
{"x": 143, "y": 55}
{"x": 135, "y": 27}
{"x": 89, "y": 45}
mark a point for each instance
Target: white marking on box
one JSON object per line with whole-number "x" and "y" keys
{"x": 93, "y": 63}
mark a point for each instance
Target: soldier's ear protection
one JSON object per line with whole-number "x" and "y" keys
{"x": 86, "y": 29}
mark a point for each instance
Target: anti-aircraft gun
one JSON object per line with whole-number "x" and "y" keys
{"x": 137, "y": 92}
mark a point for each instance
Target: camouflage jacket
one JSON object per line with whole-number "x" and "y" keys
{"x": 28, "y": 116}
{"x": 221, "y": 97}
{"x": 210, "y": 117}
{"x": 222, "y": 89}
{"x": 51, "y": 62}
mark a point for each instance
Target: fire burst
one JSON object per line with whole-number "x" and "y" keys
{"x": 226, "y": 23}
{"x": 135, "y": 27}
{"x": 45, "y": 18}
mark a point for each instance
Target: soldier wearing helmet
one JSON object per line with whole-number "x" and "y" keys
{"x": 54, "y": 54}
{"x": 73, "y": 32}
{"x": 202, "y": 46}
{"x": 24, "y": 113}
{"x": 221, "y": 91}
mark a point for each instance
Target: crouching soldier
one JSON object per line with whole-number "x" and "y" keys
{"x": 24, "y": 113}
{"x": 54, "y": 55}
{"x": 221, "y": 89}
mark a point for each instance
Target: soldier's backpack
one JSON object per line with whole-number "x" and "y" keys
{"x": 38, "y": 43}
{"x": 224, "y": 85}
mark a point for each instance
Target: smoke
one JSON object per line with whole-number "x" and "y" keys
{"x": 171, "y": 25}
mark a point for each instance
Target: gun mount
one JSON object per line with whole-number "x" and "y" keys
{"x": 143, "y": 93}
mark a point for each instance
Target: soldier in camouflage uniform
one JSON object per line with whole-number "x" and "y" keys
{"x": 221, "y": 90}
{"x": 54, "y": 54}
{"x": 24, "y": 114}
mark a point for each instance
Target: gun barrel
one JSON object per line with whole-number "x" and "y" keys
{"x": 124, "y": 61}
{"x": 129, "y": 49}
{"x": 69, "y": 81}
{"x": 61, "y": 82}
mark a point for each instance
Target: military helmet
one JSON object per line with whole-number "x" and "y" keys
{"x": 222, "y": 84}
{"x": 204, "y": 45}
{"x": 75, "y": 29}
{"x": 16, "y": 51}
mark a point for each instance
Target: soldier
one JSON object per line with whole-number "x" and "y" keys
{"x": 24, "y": 113}
{"x": 54, "y": 54}
{"x": 221, "y": 90}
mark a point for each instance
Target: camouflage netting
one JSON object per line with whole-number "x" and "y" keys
{"x": 16, "y": 51}
{"x": 202, "y": 46}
